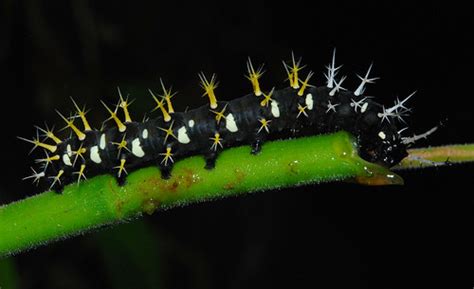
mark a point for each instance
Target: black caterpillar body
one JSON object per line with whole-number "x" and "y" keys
{"x": 298, "y": 110}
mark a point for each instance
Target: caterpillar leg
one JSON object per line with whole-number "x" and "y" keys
{"x": 121, "y": 180}
{"x": 257, "y": 146}
{"x": 56, "y": 183}
{"x": 210, "y": 159}
{"x": 57, "y": 188}
{"x": 165, "y": 171}
{"x": 166, "y": 163}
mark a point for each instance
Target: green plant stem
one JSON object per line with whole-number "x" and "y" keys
{"x": 100, "y": 201}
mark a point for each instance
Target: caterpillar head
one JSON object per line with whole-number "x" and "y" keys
{"x": 386, "y": 147}
{"x": 379, "y": 136}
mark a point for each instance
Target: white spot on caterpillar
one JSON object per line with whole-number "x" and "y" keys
{"x": 67, "y": 160}
{"x": 309, "y": 101}
{"x": 95, "y": 156}
{"x": 382, "y": 135}
{"x": 191, "y": 123}
{"x": 364, "y": 107}
{"x": 145, "y": 134}
{"x": 275, "y": 109}
{"x": 137, "y": 148}
{"x": 69, "y": 150}
{"x": 102, "y": 142}
{"x": 230, "y": 124}
{"x": 183, "y": 135}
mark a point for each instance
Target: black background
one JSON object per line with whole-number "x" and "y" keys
{"x": 334, "y": 235}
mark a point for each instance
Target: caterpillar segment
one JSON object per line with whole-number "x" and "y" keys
{"x": 300, "y": 109}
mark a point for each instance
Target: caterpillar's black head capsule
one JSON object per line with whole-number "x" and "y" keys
{"x": 384, "y": 144}
{"x": 386, "y": 148}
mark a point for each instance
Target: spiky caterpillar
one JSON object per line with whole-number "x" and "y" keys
{"x": 298, "y": 110}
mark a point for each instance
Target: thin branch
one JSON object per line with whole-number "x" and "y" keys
{"x": 437, "y": 156}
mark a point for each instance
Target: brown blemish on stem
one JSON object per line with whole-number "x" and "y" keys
{"x": 185, "y": 180}
{"x": 170, "y": 186}
{"x": 118, "y": 203}
{"x": 239, "y": 175}
{"x": 189, "y": 178}
{"x": 164, "y": 186}
{"x": 119, "y": 206}
{"x": 149, "y": 206}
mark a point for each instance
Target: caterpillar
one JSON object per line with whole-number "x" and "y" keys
{"x": 297, "y": 110}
